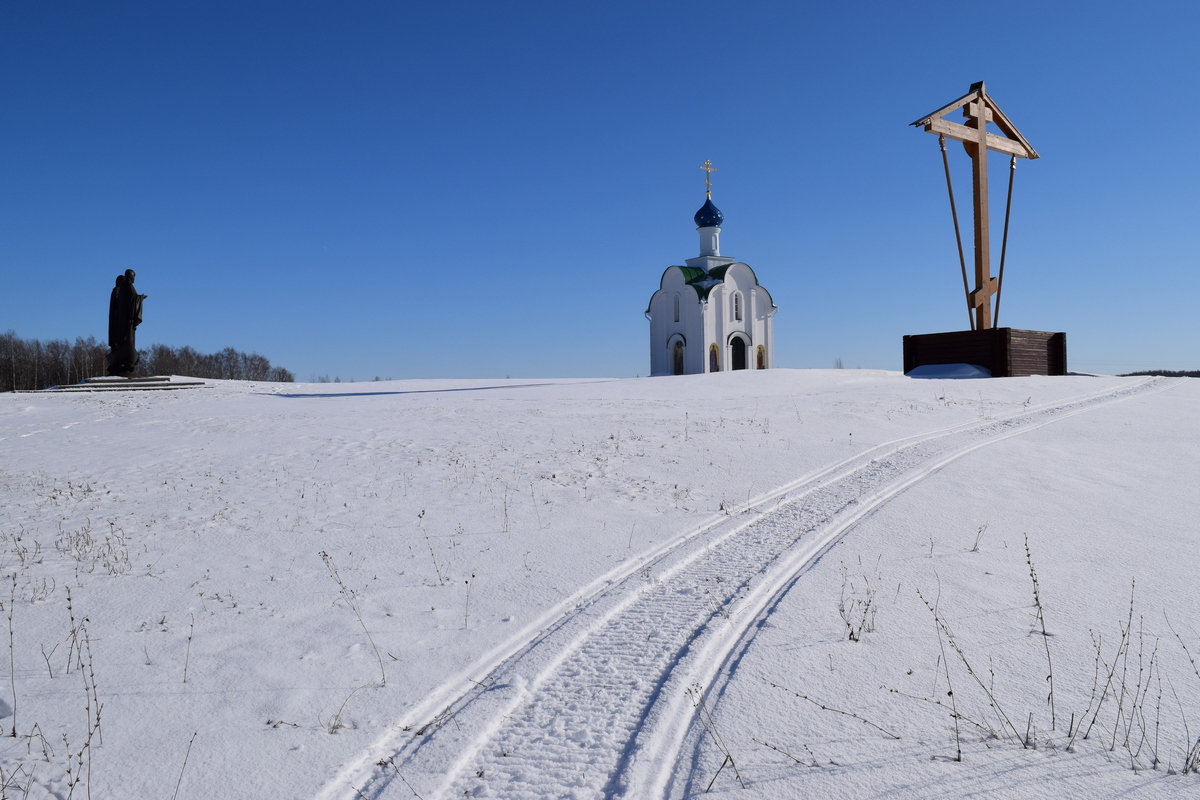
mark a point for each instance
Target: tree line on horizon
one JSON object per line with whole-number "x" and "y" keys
{"x": 1165, "y": 373}
{"x": 28, "y": 364}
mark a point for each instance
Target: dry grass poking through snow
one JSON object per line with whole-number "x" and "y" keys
{"x": 1123, "y": 702}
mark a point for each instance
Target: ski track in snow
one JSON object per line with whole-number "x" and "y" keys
{"x": 596, "y": 702}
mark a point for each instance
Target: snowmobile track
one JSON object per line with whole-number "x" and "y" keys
{"x": 596, "y": 699}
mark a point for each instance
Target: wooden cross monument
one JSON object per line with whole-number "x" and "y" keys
{"x": 979, "y": 110}
{"x": 1003, "y": 352}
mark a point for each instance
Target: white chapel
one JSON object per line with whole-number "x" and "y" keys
{"x": 710, "y": 315}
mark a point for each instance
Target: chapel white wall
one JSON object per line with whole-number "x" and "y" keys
{"x": 663, "y": 326}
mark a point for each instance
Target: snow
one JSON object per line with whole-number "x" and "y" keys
{"x": 947, "y": 371}
{"x": 524, "y": 588}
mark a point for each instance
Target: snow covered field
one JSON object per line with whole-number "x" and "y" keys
{"x": 527, "y": 588}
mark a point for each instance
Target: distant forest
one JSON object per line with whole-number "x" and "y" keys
{"x": 33, "y": 364}
{"x": 1166, "y": 373}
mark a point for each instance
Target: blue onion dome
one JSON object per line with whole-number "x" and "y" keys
{"x": 709, "y": 216}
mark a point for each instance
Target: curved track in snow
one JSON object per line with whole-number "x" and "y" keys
{"x": 596, "y": 702}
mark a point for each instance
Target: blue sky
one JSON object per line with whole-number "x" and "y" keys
{"x": 486, "y": 189}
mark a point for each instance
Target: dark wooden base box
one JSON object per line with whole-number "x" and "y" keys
{"x": 1006, "y": 352}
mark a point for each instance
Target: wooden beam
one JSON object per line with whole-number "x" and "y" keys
{"x": 983, "y": 245}
{"x": 952, "y": 130}
{"x": 978, "y": 108}
{"x": 983, "y": 296}
{"x": 978, "y": 95}
{"x": 1010, "y": 130}
{"x": 944, "y": 110}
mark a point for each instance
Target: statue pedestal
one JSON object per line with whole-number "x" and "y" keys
{"x": 1006, "y": 352}
{"x": 118, "y": 384}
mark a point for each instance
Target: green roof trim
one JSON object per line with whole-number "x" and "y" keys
{"x": 703, "y": 281}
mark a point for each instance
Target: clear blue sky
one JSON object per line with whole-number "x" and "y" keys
{"x": 486, "y": 189}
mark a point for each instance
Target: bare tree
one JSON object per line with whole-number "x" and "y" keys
{"x": 32, "y": 364}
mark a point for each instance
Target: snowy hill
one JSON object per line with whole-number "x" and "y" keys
{"x": 800, "y": 581}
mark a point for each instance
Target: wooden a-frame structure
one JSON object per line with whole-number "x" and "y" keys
{"x": 1004, "y": 352}
{"x": 979, "y": 110}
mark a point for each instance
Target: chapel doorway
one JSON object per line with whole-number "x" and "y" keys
{"x": 677, "y": 357}
{"x": 738, "y": 356}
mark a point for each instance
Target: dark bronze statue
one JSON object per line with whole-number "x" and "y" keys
{"x": 124, "y": 315}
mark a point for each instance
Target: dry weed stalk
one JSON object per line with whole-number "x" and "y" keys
{"x": 335, "y": 723}
{"x": 1122, "y": 650}
{"x": 467, "y": 606}
{"x": 391, "y": 761}
{"x": 46, "y": 658}
{"x": 79, "y": 763}
{"x": 824, "y": 707}
{"x": 944, "y": 628}
{"x": 857, "y": 612}
{"x": 933, "y": 609}
{"x": 954, "y": 713}
{"x": 10, "y": 781}
{"x": 978, "y": 536}
{"x": 781, "y": 751}
{"x": 12, "y": 668}
{"x": 1041, "y": 620}
{"x": 352, "y": 601}
{"x": 188, "y": 657}
{"x": 436, "y": 567}
{"x": 181, "y": 769}
{"x": 696, "y": 693}
{"x": 1191, "y": 750}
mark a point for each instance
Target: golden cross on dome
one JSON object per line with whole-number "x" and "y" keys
{"x": 708, "y": 170}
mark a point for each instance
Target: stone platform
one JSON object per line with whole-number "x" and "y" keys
{"x": 148, "y": 384}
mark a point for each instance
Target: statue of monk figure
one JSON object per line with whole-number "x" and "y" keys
{"x": 124, "y": 315}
